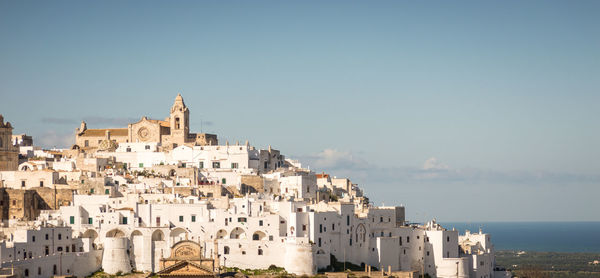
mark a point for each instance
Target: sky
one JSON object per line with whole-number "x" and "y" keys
{"x": 459, "y": 110}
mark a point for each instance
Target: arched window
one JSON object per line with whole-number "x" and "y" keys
{"x": 226, "y": 250}
{"x": 54, "y": 270}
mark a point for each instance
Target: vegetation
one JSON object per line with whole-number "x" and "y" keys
{"x": 549, "y": 264}
{"x": 272, "y": 270}
{"x": 101, "y": 274}
{"x": 337, "y": 266}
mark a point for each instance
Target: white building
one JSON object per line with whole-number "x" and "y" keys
{"x": 44, "y": 251}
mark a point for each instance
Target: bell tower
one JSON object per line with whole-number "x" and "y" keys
{"x": 179, "y": 121}
{"x": 9, "y": 154}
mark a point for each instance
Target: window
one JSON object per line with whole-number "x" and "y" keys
{"x": 59, "y": 236}
{"x": 448, "y": 238}
{"x": 128, "y": 149}
{"x": 86, "y": 143}
{"x": 242, "y": 219}
{"x": 270, "y": 238}
{"x": 226, "y": 250}
{"x": 92, "y": 190}
{"x": 54, "y": 270}
{"x": 22, "y": 183}
{"x": 71, "y": 221}
{"x": 400, "y": 241}
{"x": 147, "y": 147}
{"x": 332, "y": 226}
{"x": 47, "y": 234}
{"x": 33, "y": 238}
{"x": 320, "y": 228}
{"x": 304, "y": 227}
{"x": 26, "y": 272}
{"x": 320, "y": 242}
{"x": 107, "y": 191}
{"x": 46, "y": 250}
{"x": 141, "y": 165}
{"x": 177, "y": 123}
{"x": 381, "y": 219}
{"x": 447, "y": 254}
{"x": 260, "y": 252}
{"x": 41, "y": 183}
{"x": 124, "y": 220}
{"x": 39, "y": 271}
{"x": 158, "y": 221}
{"x": 260, "y": 222}
{"x": 181, "y": 218}
{"x": 201, "y": 164}
{"x": 427, "y": 253}
{"x": 347, "y": 220}
{"x": 216, "y": 164}
{"x": 59, "y": 249}
{"x": 407, "y": 239}
{"x": 193, "y": 218}
{"x": 234, "y": 165}
{"x": 223, "y": 181}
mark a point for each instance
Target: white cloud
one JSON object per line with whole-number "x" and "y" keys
{"x": 334, "y": 159}
{"x": 51, "y": 139}
{"x": 434, "y": 164}
{"x": 347, "y": 164}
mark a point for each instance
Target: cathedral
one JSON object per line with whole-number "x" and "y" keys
{"x": 169, "y": 133}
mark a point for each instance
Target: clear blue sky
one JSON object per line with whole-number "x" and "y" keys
{"x": 462, "y": 110}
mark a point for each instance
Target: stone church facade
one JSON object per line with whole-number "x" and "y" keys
{"x": 169, "y": 133}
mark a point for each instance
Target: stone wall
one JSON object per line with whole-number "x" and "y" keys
{"x": 27, "y": 204}
{"x": 252, "y": 183}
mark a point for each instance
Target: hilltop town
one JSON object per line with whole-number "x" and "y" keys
{"x": 155, "y": 197}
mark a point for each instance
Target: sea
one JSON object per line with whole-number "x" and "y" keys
{"x": 579, "y": 237}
